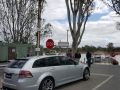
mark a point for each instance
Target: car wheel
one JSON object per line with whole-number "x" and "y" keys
{"x": 47, "y": 84}
{"x": 86, "y": 74}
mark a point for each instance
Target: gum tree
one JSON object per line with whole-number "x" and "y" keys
{"x": 78, "y": 13}
{"x": 17, "y": 20}
{"x": 110, "y": 47}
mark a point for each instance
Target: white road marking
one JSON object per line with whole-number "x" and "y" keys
{"x": 102, "y": 83}
{"x": 100, "y": 74}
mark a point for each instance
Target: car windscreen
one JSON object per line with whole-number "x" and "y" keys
{"x": 18, "y": 63}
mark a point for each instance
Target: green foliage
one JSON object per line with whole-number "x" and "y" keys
{"x": 89, "y": 48}
{"x": 110, "y": 47}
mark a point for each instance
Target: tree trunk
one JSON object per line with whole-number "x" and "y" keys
{"x": 74, "y": 47}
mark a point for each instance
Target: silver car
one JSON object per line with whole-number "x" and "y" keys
{"x": 43, "y": 73}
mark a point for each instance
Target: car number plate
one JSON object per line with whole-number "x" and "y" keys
{"x": 8, "y": 75}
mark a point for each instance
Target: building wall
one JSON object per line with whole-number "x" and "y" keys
{"x": 3, "y": 52}
{"x": 21, "y": 50}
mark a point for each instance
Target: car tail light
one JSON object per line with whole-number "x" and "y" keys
{"x": 25, "y": 74}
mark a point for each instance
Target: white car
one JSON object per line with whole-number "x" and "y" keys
{"x": 43, "y": 73}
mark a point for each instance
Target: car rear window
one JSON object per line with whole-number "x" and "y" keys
{"x": 18, "y": 63}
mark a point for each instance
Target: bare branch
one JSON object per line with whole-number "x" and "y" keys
{"x": 80, "y": 38}
{"x": 71, "y": 5}
{"x": 69, "y": 16}
{"x": 19, "y": 19}
{"x": 113, "y": 4}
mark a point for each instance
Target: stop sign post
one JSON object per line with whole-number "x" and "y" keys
{"x": 49, "y": 43}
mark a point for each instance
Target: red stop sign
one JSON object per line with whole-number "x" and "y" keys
{"x": 49, "y": 43}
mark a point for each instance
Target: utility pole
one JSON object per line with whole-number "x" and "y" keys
{"x": 67, "y": 40}
{"x": 67, "y": 35}
{"x": 38, "y": 27}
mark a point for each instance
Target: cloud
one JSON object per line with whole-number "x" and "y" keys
{"x": 97, "y": 33}
{"x": 59, "y": 33}
{"x": 100, "y": 7}
{"x": 55, "y": 10}
{"x": 103, "y": 31}
{"x": 112, "y": 16}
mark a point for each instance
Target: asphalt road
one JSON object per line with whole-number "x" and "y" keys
{"x": 103, "y": 77}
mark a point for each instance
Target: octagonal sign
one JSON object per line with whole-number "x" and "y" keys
{"x": 49, "y": 43}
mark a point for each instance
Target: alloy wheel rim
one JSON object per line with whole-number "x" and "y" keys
{"x": 47, "y": 85}
{"x": 87, "y": 75}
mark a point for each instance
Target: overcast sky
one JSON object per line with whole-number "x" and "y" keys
{"x": 100, "y": 28}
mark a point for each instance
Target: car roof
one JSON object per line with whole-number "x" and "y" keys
{"x": 43, "y": 56}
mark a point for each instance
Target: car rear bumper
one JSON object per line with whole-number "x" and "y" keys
{"x": 18, "y": 86}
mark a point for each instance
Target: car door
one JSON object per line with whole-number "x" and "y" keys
{"x": 74, "y": 69}
{"x": 66, "y": 69}
{"x": 78, "y": 67}
{"x": 58, "y": 69}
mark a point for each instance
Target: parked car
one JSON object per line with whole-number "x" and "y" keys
{"x": 114, "y": 62}
{"x": 107, "y": 59}
{"x": 51, "y": 52}
{"x": 43, "y": 73}
{"x": 97, "y": 59}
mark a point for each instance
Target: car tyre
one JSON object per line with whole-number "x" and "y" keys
{"x": 86, "y": 74}
{"x": 47, "y": 84}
